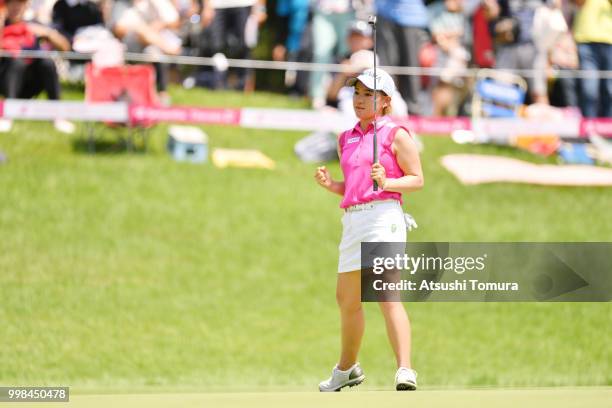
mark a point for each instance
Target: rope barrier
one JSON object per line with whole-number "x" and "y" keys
{"x": 297, "y": 66}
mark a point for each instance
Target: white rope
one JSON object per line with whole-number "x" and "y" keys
{"x": 299, "y": 66}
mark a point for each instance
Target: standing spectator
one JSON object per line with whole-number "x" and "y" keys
{"x": 564, "y": 57}
{"x": 330, "y": 23}
{"x": 228, "y": 24}
{"x": 292, "y": 40}
{"x": 482, "y": 46}
{"x": 293, "y": 15}
{"x": 515, "y": 49}
{"x": 593, "y": 34}
{"x": 447, "y": 28}
{"x": 557, "y": 50}
{"x": 25, "y": 78}
{"x": 402, "y": 25}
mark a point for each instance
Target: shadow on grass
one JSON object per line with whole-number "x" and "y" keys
{"x": 103, "y": 139}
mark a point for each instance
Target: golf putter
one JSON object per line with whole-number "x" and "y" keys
{"x": 372, "y": 22}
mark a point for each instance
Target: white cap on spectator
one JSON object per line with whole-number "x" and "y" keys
{"x": 361, "y": 60}
{"x": 384, "y": 82}
{"x": 360, "y": 27}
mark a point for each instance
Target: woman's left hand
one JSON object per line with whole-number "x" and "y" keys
{"x": 379, "y": 175}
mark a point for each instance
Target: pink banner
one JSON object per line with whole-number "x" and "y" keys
{"x": 287, "y": 119}
{"x": 210, "y": 116}
{"x": 435, "y": 126}
{"x": 598, "y": 126}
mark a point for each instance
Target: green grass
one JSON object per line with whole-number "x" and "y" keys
{"x": 499, "y": 398}
{"x": 132, "y": 272}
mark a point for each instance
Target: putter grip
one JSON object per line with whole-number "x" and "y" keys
{"x": 375, "y": 152}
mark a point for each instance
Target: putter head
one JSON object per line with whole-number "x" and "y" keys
{"x": 372, "y": 20}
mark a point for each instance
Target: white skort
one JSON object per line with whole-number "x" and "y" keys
{"x": 376, "y": 221}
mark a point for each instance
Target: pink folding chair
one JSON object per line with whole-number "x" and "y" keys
{"x": 133, "y": 84}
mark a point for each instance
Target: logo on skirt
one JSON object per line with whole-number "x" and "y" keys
{"x": 393, "y": 227}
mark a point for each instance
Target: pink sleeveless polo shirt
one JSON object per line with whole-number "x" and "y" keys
{"x": 356, "y": 149}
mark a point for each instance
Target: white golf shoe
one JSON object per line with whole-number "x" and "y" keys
{"x": 405, "y": 379}
{"x": 340, "y": 379}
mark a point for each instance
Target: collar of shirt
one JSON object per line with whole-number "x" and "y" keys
{"x": 379, "y": 123}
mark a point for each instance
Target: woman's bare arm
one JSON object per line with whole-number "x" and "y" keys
{"x": 407, "y": 155}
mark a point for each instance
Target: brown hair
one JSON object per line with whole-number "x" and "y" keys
{"x": 387, "y": 109}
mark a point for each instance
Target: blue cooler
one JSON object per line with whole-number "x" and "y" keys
{"x": 188, "y": 143}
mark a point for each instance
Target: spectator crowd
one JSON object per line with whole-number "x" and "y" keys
{"x": 536, "y": 37}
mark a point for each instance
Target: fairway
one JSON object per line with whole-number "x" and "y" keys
{"x": 128, "y": 272}
{"x": 524, "y": 398}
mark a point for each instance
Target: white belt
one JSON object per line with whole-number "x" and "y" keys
{"x": 409, "y": 219}
{"x": 367, "y": 206}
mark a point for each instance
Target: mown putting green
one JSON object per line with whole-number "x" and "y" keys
{"x": 525, "y": 398}
{"x": 130, "y": 271}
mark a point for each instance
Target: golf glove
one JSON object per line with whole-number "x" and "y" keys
{"x": 410, "y": 222}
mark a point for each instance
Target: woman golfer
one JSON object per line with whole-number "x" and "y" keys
{"x": 371, "y": 216}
